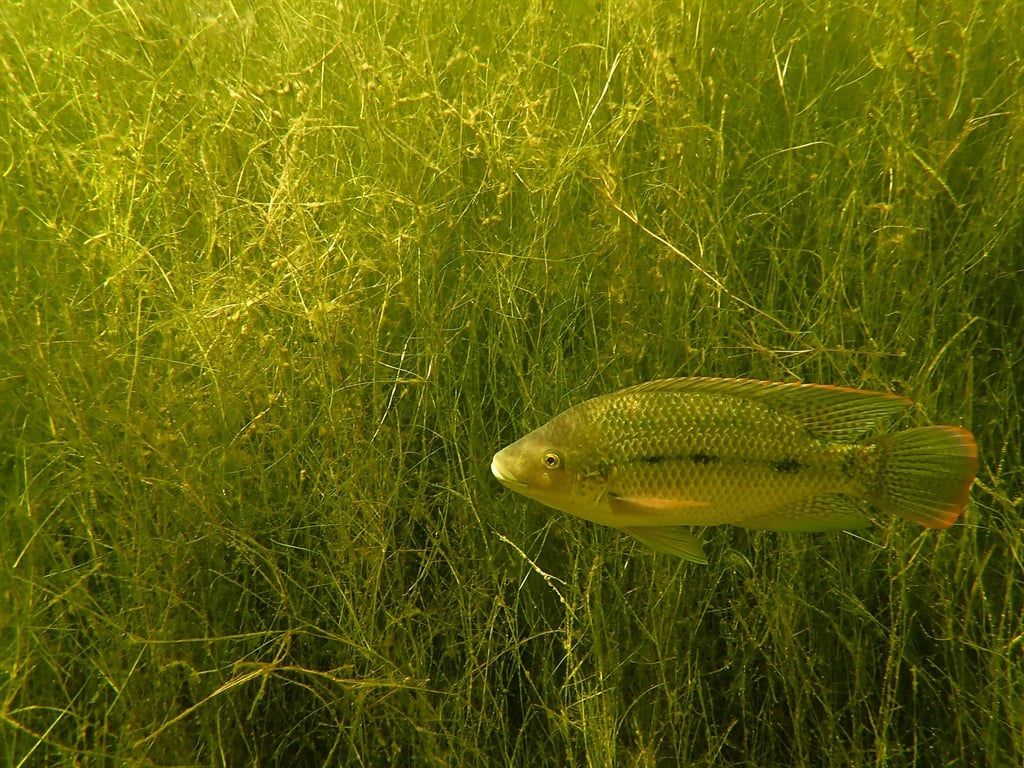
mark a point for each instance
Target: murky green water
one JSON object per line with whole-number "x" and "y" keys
{"x": 278, "y": 281}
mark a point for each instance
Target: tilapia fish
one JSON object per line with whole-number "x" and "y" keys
{"x": 657, "y": 457}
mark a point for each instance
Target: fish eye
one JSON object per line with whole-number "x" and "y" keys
{"x": 551, "y": 460}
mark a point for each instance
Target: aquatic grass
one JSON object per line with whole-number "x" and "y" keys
{"x": 278, "y": 281}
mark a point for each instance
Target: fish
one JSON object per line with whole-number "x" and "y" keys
{"x": 657, "y": 458}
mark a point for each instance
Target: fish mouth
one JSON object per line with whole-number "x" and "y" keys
{"x": 503, "y": 476}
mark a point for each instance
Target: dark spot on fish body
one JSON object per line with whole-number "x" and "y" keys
{"x": 653, "y": 459}
{"x": 696, "y": 458}
{"x": 787, "y": 466}
{"x": 849, "y": 463}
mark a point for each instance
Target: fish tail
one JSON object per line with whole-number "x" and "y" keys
{"x": 925, "y": 474}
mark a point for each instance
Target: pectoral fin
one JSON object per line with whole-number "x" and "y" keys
{"x": 630, "y": 505}
{"x": 670, "y": 539}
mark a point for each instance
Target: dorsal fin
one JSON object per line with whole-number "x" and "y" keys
{"x": 832, "y": 413}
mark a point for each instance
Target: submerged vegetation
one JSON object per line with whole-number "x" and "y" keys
{"x": 278, "y": 279}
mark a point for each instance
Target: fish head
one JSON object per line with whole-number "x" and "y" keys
{"x": 549, "y": 465}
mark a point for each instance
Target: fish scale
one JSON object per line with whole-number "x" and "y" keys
{"x": 742, "y": 457}
{"x": 702, "y": 451}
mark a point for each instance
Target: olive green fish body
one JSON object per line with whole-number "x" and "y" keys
{"x": 733, "y": 458}
{"x": 756, "y": 454}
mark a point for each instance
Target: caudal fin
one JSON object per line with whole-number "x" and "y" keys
{"x": 925, "y": 474}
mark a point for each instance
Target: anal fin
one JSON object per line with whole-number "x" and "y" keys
{"x": 826, "y": 512}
